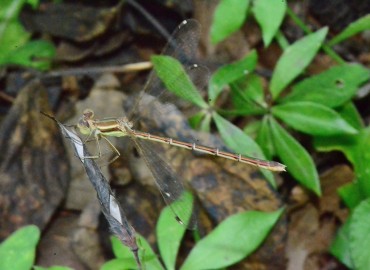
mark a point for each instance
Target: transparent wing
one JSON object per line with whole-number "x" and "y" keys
{"x": 182, "y": 46}
{"x": 183, "y": 43}
{"x": 170, "y": 186}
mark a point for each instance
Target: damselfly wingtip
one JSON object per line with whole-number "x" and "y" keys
{"x": 179, "y": 220}
{"x": 191, "y": 225}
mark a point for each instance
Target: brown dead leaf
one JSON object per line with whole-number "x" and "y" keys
{"x": 34, "y": 172}
{"x": 330, "y": 182}
{"x": 312, "y": 228}
{"x": 73, "y": 21}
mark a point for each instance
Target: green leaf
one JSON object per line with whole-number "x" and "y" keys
{"x": 264, "y": 139}
{"x": 18, "y": 251}
{"x": 228, "y": 17}
{"x": 360, "y": 236}
{"x": 349, "y": 113}
{"x": 14, "y": 48}
{"x": 340, "y": 247}
{"x": 231, "y": 241}
{"x": 33, "y": 3}
{"x": 201, "y": 121}
{"x": 252, "y": 128}
{"x": 295, "y": 59}
{"x": 299, "y": 163}
{"x": 147, "y": 255}
{"x": 269, "y": 24}
{"x": 361, "y": 160}
{"x": 12, "y": 33}
{"x": 332, "y": 88}
{"x": 351, "y": 194}
{"x": 355, "y": 27}
{"x": 248, "y": 96}
{"x": 174, "y": 77}
{"x": 205, "y": 124}
{"x": 312, "y": 118}
{"x": 119, "y": 250}
{"x": 125, "y": 255}
{"x": 12, "y": 37}
{"x": 121, "y": 264}
{"x": 240, "y": 142}
{"x": 353, "y": 147}
{"x": 229, "y": 73}
{"x": 169, "y": 235}
{"x": 37, "y": 54}
{"x": 344, "y": 144}
{"x": 9, "y": 10}
{"x": 52, "y": 268}
{"x": 195, "y": 119}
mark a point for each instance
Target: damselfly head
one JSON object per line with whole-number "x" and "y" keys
{"x": 83, "y": 126}
{"x": 88, "y": 114}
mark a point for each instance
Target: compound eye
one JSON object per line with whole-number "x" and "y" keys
{"x": 83, "y": 126}
{"x": 82, "y": 123}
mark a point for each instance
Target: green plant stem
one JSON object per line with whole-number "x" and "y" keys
{"x": 329, "y": 51}
{"x": 280, "y": 38}
{"x": 196, "y": 236}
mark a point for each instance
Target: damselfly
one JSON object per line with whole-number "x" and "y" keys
{"x": 171, "y": 188}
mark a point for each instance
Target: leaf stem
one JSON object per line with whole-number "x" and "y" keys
{"x": 328, "y": 50}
